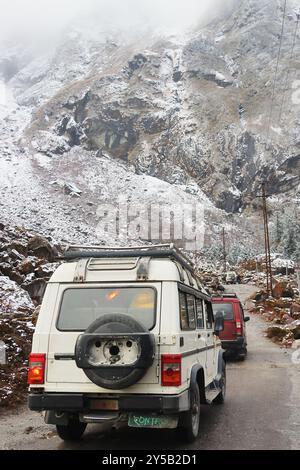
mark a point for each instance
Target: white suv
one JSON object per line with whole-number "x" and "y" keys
{"x": 126, "y": 335}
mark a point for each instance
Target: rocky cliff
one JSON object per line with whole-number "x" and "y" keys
{"x": 174, "y": 119}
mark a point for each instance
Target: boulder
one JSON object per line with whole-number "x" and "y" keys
{"x": 13, "y": 299}
{"x": 278, "y": 332}
{"x": 20, "y": 247}
{"x": 283, "y": 289}
{"x": 26, "y": 266}
{"x": 45, "y": 270}
{"x": 41, "y": 248}
{"x": 35, "y": 289}
{"x": 295, "y": 310}
{"x": 258, "y": 296}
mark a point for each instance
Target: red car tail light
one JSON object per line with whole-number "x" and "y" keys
{"x": 238, "y": 328}
{"x": 36, "y": 371}
{"x": 171, "y": 370}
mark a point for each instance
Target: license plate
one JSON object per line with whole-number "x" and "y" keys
{"x": 109, "y": 405}
{"x": 155, "y": 422}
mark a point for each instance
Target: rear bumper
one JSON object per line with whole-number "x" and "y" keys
{"x": 234, "y": 345}
{"x": 71, "y": 402}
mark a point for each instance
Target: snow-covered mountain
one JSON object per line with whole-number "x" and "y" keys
{"x": 152, "y": 118}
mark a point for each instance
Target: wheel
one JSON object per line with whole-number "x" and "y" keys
{"x": 189, "y": 421}
{"x": 243, "y": 354}
{"x": 72, "y": 431}
{"x": 220, "y": 399}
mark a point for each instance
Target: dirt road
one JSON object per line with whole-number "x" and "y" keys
{"x": 261, "y": 411}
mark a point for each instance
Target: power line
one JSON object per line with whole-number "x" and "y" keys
{"x": 276, "y": 71}
{"x": 288, "y": 71}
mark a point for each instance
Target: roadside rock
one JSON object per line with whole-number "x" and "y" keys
{"x": 35, "y": 289}
{"x": 283, "y": 289}
{"x": 13, "y": 299}
{"x": 27, "y": 266}
{"x": 41, "y": 248}
{"x": 16, "y": 332}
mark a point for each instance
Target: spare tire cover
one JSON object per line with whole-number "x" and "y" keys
{"x": 125, "y": 346}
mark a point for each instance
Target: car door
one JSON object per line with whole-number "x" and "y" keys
{"x": 61, "y": 366}
{"x": 210, "y": 341}
{"x": 227, "y": 310}
{"x": 201, "y": 334}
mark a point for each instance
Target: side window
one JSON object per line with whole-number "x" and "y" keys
{"x": 209, "y": 315}
{"x": 184, "y": 322}
{"x": 199, "y": 313}
{"x": 191, "y": 311}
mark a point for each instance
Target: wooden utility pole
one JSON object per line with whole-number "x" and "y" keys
{"x": 267, "y": 243}
{"x": 224, "y": 250}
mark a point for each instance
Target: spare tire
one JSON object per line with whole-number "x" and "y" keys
{"x": 115, "y": 351}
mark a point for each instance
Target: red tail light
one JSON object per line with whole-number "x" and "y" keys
{"x": 171, "y": 370}
{"x": 36, "y": 372}
{"x": 238, "y": 326}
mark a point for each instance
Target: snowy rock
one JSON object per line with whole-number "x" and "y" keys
{"x": 13, "y": 299}
{"x": 41, "y": 248}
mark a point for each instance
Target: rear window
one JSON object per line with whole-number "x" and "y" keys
{"x": 225, "y": 309}
{"x": 80, "y": 307}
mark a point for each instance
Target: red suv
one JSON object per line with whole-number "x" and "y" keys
{"x": 233, "y": 336}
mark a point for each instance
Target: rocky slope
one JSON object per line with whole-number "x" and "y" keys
{"x": 26, "y": 263}
{"x": 169, "y": 119}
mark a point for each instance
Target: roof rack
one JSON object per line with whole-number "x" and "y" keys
{"x": 73, "y": 252}
{"x": 225, "y": 294}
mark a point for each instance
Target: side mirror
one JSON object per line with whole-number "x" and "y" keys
{"x": 219, "y": 323}
{"x": 246, "y": 319}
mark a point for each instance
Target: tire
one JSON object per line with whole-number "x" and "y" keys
{"x": 104, "y": 330}
{"x": 189, "y": 421}
{"x": 72, "y": 431}
{"x": 243, "y": 354}
{"x": 220, "y": 399}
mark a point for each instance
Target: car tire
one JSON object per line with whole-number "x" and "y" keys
{"x": 189, "y": 421}
{"x": 73, "y": 431}
{"x": 220, "y": 399}
{"x": 115, "y": 378}
{"x": 243, "y": 354}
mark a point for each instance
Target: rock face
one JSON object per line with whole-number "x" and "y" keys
{"x": 192, "y": 110}
{"x": 192, "y": 113}
{"x": 23, "y": 278}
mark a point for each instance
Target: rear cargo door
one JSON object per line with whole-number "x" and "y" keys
{"x": 61, "y": 365}
{"x": 227, "y": 310}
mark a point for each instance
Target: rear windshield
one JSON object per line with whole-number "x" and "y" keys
{"x": 80, "y": 307}
{"x": 225, "y": 309}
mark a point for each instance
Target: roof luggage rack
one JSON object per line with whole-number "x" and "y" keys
{"x": 225, "y": 294}
{"x": 75, "y": 252}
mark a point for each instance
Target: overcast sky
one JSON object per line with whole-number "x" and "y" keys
{"x": 47, "y": 18}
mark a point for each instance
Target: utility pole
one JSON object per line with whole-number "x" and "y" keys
{"x": 267, "y": 243}
{"x": 298, "y": 277}
{"x": 224, "y": 249}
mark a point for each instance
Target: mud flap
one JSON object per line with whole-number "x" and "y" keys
{"x": 56, "y": 417}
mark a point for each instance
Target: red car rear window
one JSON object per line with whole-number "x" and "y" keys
{"x": 225, "y": 308}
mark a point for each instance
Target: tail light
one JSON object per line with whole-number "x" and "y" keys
{"x": 171, "y": 370}
{"x": 36, "y": 372}
{"x": 238, "y": 328}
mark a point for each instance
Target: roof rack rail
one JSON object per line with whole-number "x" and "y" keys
{"x": 156, "y": 251}
{"x": 225, "y": 294}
